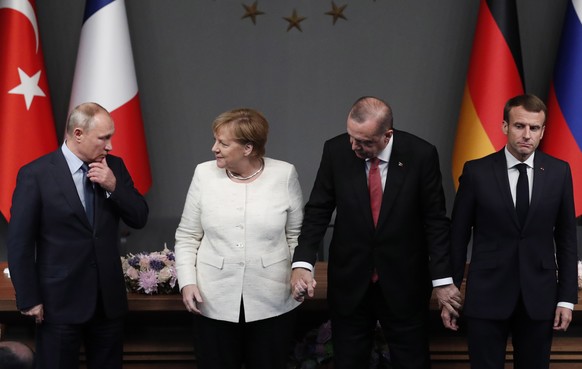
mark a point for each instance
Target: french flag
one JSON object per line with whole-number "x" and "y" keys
{"x": 105, "y": 74}
{"x": 563, "y": 134}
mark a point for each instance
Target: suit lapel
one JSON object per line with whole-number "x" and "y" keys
{"x": 63, "y": 178}
{"x": 359, "y": 182}
{"x": 394, "y": 180}
{"x": 99, "y": 199}
{"x": 539, "y": 182}
{"x": 500, "y": 170}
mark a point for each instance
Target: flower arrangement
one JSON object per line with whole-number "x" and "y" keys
{"x": 150, "y": 273}
{"x": 580, "y": 275}
{"x": 315, "y": 351}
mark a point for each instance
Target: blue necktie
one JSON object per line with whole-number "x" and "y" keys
{"x": 522, "y": 194}
{"x": 89, "y": 193}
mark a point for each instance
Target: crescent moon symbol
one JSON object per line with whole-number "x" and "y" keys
{"x": 26, "y": 9}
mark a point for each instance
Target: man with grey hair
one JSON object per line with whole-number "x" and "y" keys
{"x": 390, "y": 241}
{"x": 63, "y": 241}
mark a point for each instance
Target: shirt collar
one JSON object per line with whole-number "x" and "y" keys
{"x": 73, "y": 161}
{"x": 512, "y": 160}
{"x": 385, "y": 154}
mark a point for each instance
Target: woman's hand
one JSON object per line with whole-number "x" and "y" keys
{"x": 191, "y": 298}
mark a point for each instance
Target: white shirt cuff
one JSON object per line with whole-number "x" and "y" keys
{"x": 302, "y": 264}
{"x": 567, "y": 305}
{"x": 442, "y": 282}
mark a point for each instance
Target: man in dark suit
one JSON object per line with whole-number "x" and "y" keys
{"x": 382, "y": 257}
{"x": 518, "y": 204}
{"x": 63, "y": 244}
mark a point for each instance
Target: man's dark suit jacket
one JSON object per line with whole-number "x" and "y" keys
{"x": 537, "y": 261}
{"x": 410, "y": 245}
{"x": 73, "y": 260}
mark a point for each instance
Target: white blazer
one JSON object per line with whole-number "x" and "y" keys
{"x": 237, "y": 239}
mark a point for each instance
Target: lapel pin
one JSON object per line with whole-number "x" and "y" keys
{"x": 400, "y": 164}
{"x": 542, "y": 168}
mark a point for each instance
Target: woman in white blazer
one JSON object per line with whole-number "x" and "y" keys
{"x": 234, "y": 247}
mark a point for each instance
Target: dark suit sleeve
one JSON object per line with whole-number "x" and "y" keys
{"x": 461, "y": 225}
{"x": 435, "y": 219}
{"x": 131, "y": 205}
{"x": 566, "y": 244}
{"x": 318, "y": 211}
{"x": 22, "y": 236}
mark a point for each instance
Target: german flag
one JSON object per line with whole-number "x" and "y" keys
{"x": 563, "y": 133}
{"x": 495, "y": 75}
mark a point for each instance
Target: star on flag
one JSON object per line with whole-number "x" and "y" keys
{"x": 28, "y": 87}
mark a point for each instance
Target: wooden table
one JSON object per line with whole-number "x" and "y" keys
{"x": 159, "y": 333}
{"x": 165, "y": 303}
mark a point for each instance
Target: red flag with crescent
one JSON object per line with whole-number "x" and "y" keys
{"x": 27, "y": 128}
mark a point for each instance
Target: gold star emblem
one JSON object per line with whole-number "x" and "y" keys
{"x": 337, "y": 12}
{"x": 252, "y": 11}
{"x": 294, "y": 21}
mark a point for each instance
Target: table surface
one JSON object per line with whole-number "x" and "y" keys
{"x": 141, "y": 302}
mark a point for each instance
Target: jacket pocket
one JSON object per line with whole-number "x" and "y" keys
{"x": 216, "y": 261}
{"x": 482, "y": 265}
{"x": 275, "y": 257}
{"x": 53, "y": 271}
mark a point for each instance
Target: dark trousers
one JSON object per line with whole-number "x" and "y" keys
{"x": 58, "y": 345}
{"x": 531, "y": 339}
{"x": 353, "y": 335}
{"x": 262, "y": 344}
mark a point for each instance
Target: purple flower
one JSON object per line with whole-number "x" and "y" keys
{"x": 134, "y": 261}
{"x": 148, "y": 281}
{"x": 157, "y": 264}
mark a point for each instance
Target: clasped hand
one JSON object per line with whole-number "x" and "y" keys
{"x": 302, "y": 284}
{"x": 450, "y": 303}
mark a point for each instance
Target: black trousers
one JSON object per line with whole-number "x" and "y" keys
{"x": 58, "y": 345}
{"x": 531, "y": 339}
{"x": 262, "y": 344}
{"x": 353, "y": 335}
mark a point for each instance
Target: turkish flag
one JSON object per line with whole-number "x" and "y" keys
{"x": 27, "y": 128}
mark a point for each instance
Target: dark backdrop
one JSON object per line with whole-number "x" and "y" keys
{"x": 196, "y": 59}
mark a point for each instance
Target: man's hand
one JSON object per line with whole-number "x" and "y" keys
{"x": 100, "y": 173}
{"x": 562, "y": 319}
{"x": 302, "y": 284}
{"x": 450, "y": 320}
{"x": 37, "y": 312}
{"x": 191, "y": 298}
{"x": 449, "y": 297}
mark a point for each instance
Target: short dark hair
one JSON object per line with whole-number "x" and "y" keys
{"x": 529, "y": 102}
